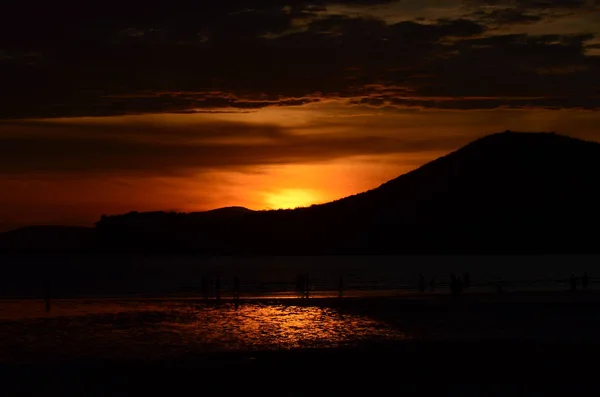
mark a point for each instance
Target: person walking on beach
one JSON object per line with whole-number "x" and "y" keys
{"x": 467, "y": 279}
{"x": 204, "y": 287}
{"x": 499, "y": 287}
{"x": 422, "y": 283}
{"x": 300, "y": 285}
{"x": 432, "y": 284}
{"x": 573, "y": 282}
{"x": 236, "y": 288}
{"x": 456, "y": 285}
{"x": 584, "y": 280}
{"x": 459, "y": 285}
{"x": 306, "y": 285}
{"x": 46, "y": 296}
{"x": 341, "y": 287}
{"x": 218, "y": 287}
{"x": 453, "y": 284}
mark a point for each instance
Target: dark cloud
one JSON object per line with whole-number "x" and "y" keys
{"x": 62, "y": 147}
{"x": 479, "y": 103}
{"x": 138, "y": 130}
{"x": 506, "y": 16}
{"x": 536, "y": 4}
{"x": 184, "y": 56}
{"x": 509, "y": 12}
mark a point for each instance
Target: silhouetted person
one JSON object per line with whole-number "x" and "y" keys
{"x": 204, "y": 287}
{"x": 47, "y": 296}
{"x": 456, "y": 285}
{"x": 218, "y": 288}
{"x": 300, "y": 285}
{"x": 453, "y": 284}
{"x": 584, "y": 281}
{"x": 236, "y": 288}
{"x": 432, "y": 284}
{"x": 422, "y": 283}
{"x": 459, "y": 285}
{"x": 306, "y": 285}
{"x": 573, "y": 282}
{"x": 341, "y": 287}
{"x": 499, "y": 287}
{"x": 467, "y": 279}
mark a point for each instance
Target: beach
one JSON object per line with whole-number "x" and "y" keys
{"x": 417, "y": 343}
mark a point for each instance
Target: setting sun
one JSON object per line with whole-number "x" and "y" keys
{"x": 290, "y": 198}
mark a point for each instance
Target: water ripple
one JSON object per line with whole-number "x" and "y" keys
{"x": 152, "y": 329}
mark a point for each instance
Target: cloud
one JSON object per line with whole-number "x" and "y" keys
{"x": 506, "y": 16}
{"x": 497, "y": 13}
{"x": 59, "y": 147}
{"x": 480, "y": 103}
{"x": 536, "y": 4}
{"x": 191, "y": 56}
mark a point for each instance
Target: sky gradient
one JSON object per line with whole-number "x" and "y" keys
{"x": 265, "y": 104}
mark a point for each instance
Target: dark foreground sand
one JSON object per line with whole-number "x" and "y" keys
{"x": 429, "y": 368}
{"x": 526, "y": 344}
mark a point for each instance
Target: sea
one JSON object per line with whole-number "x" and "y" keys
{"x": 155, "y": 307}
{"x": 276, "y": 276}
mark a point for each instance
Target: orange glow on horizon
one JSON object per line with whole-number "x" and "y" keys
{"x": 277, "y": 157}
{"x": 290, "y": 198}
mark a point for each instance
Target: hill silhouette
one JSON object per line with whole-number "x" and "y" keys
{"x": 504, "y": 193}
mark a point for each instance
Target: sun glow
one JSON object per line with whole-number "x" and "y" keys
{"x": 291, "y": 198}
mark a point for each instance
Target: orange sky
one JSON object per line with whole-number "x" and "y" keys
{"x": 276, "y": 157}
{"x": 195, "y": 105}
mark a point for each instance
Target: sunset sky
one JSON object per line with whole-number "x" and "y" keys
{"x": 113, "y": 106}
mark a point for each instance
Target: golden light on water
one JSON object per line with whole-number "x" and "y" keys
{"x": 158, "y": 328}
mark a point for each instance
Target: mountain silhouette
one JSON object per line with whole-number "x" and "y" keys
{"x": 507, "y": 193}
{"x": 227, "y": 212}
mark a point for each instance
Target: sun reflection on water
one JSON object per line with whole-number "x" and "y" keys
{"x": 167, "y": 328}
{"x": 259, "y": 326}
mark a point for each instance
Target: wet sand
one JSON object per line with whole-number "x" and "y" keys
{"x": 424, "y": 368}
{"x": 505, "y": 344}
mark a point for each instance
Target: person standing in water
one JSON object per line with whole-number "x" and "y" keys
{"x": 307, "y": 285}
{"x": 47, "y": 296}
{"x": 467, "y": 279}
{"x": 573, "y": 282}
{"x": 453, "y": 284}
{"x": 499, "y": 287}
{"x": 300, "y": 285}
{"x": 204, "y": 287}
{"x": 218, "y": 288}
{"x": 584, "y": 280}
{"x": 459, "y": 285}
{"x": 422, "y": 283}
{"x": 236, "y": 288}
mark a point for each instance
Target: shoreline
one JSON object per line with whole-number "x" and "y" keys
{"x": 537, "y": 341}
{"x": 332, "y": 296}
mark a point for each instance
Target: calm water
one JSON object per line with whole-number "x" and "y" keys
{"x": 104, "y": 307}
{"x": 138, "y": 328}
{"x": 267, "y": 276}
